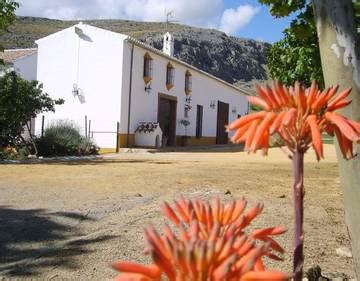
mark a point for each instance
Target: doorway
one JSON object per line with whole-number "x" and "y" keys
{"x": 167, "y": 118}
{"x": 222, "y": 120}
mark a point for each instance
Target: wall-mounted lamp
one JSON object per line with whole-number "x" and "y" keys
{"x": 148, "y": 88}
{"x": 212, "y": 104}
{"x": 234, "y": 110}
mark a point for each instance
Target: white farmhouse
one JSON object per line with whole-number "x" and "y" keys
{"x": 108, "y": 78}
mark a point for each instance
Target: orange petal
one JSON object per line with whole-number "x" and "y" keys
{"x": 344, "y": 94}
{"x": 152, "y": 271}
{"x": 259, "y": 265}
{"x": 228, "y": 212}
{"x": 133, "y": 277}
{"x": 240, "y": 205}
{"x": 290, "y": 117}
{"x": 268, "y": 231}
{"x": 275, "y": 99}
{"x": 312, "y": 93}
{"x": 265, "y": 96}
{"x": 320, "y": 101}
{"x": 182, "y": 211}
{"x": 252, "y": 213}
{"x": 355, "y": 125}
{"x": 338, "y": 105}
{"x": 279, "y": 92}
{"x": 246, "y": 119}
{"x": 300, "y": 97}
{"x": 260, "y": 102}
{"x": 250, "y": 134}
{"x": 264, "y": 126}
{"x": 315, "y": 136}
{"x": 264, "y": 142}
{"x": 331, "y": 93}
{"x": 265, "y": 275}
{"x": 344, "y": 126}
{"x": 170, "y": 214}
{"x": 277, "y": 122}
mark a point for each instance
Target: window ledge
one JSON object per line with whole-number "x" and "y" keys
{"x": 169, "y": 86}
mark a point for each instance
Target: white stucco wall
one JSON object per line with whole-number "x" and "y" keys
{"x": 94, "y": 62}
{"x": 148, "y": 139}
{"x": 144, "y": 106}
{"x": 26, "y": 67}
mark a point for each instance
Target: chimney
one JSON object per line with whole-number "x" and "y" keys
{"x": 168, "y": 47}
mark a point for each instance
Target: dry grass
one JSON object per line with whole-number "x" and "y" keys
{"x": 122, "y": 193}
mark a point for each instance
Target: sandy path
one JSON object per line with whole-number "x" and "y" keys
{"x": 70, "y": 220}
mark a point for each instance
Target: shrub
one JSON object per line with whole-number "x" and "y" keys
{"x": 63, "y": 138}
{"x": 18, "y": 152}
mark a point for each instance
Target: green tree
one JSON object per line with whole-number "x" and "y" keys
{"x": 297, "y": 56}
{"x": 7, "y": 16}
{"x": 7, "y": 13}
{"x": 337, "y": 25}
{"x": 20, "y": 100}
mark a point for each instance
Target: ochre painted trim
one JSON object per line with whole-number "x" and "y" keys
{"x": 169, "y": 86}
{"x": 123, "y": 138}
{"x": 147, "y": 79}
{"x": 196, "y": 141}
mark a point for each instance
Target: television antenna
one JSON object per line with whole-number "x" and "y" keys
{"x": 170, "y": 14}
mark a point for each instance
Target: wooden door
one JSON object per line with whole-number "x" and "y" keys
{"x": 199, "y": 120}
{"x": 167, "y": 119}
{"x": 222, "y": 120}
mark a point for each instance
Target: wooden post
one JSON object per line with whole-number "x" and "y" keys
{"x": 117, "y": 136}
{"x": 42, "y": 125}
{"x": 86, "y": 126}
{"x": 89, "y": 134}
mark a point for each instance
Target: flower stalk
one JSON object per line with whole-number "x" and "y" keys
{"x": 298, "y": 189}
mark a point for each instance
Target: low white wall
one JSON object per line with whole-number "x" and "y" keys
{"x": 148, "y": 139}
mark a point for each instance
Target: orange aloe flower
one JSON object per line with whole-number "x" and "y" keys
{"x": 211, "y": 246}
{"x": 299, "y": 116}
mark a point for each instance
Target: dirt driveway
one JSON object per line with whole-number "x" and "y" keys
{"x": 70, "y": 220}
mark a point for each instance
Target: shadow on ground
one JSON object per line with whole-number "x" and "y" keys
{"x": 33, "y": 241}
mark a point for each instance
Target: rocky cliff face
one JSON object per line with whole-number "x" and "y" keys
{"x": 229, "y": 58}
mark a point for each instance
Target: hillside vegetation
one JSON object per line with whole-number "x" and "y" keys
{"x": 230, "y": 58}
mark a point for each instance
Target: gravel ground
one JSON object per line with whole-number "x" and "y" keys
{"x": 70, "y": 220}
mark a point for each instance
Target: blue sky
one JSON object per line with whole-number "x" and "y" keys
{"x": 243, "y": 18}
{"x": 263, "y": 25}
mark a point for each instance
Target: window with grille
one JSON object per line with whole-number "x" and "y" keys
{"x": 148, "y": 68}
{"x": 188, "y": 83}
{"x": 170, "y": 76}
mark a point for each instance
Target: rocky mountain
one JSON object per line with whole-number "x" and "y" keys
{"x": 230, "y": 58}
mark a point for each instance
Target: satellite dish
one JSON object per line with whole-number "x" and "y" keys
{"x": 77, "y": 92}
